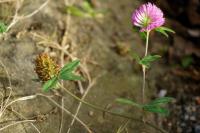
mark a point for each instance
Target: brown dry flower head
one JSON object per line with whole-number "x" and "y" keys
{"x": 45, "y": 67}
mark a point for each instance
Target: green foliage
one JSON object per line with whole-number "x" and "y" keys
{"x": 154, "y": 106}
{"x": 50, "y": 84}
{"x": 156, "y": 109}
{"x": 76, "y": 11}
{"x": 160, "y": 101}
{"x": 86, "y": 10}
{"x": 66, "y": 73}
{"x": 187, "y": 61}
{"x": 68, "y": 68}
{"x": 163, "y": 30}
{"x": 70, "y": 76}
{"x": 3, "y": 27}
{"x": 87, "y": 7}
{"x": 129, "y": 102}
{"x": 147, "y": 60}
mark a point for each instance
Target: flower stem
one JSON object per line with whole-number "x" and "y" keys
{"x": 144, "y": 69}
{"x": 110, "y": 112}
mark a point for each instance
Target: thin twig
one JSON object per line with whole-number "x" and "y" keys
{"x": 16, "y": 100}
{"x": 122, "y": 127}
{"x": 4, "y": 1}
{"x": 36, "y": 11}
{"x": 3, "y": 105}
{"x": 61, "y": 122}
{"x": 19, "y": 122}
{"x": 67, "y": 111}
{"x": 17, "y": 113}
{"x": 17, "y": 18}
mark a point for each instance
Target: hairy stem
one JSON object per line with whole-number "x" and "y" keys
{"x": 110, "y": 112}
{"x": 144, "y": 69}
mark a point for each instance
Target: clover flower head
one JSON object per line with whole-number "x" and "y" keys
{"x": 148, "y": 17}
{"x": 45, "y": 67}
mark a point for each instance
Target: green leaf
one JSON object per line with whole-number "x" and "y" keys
{"x": 70, "y": 76}
{"x": 66, "y": 71}
{"x": 129, "y": 102}
{"x": 163, "y": 30}
{"x": 76, "y": 11}
{"x": 160, "y": 101}
{"x": 156, "y": 109}
{"x": 68, "y": 68}
{"x": 87, "y": 7}
{"x": 3, "y": 27}
{"x": 50, "y": 84}
{"x": 148, "y": 59}
{"x": 167, "y": 29}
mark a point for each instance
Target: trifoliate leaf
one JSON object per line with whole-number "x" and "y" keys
{"x": 146, "y": 61}
{"x": 68, "y": 68}
{"x": 129, "y": 102}
{"x": 50, "y": 84}
{"x": 66, "y": 71}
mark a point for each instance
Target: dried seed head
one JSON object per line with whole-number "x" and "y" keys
{"x": 45, "y": 67}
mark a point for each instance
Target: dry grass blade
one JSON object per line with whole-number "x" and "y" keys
{"x": 15, "y": 123}
{"x": 66, "y": 111}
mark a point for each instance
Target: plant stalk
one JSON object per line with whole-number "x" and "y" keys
{"x": 110, "y": 112}
{"x": 144, "y": 69}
